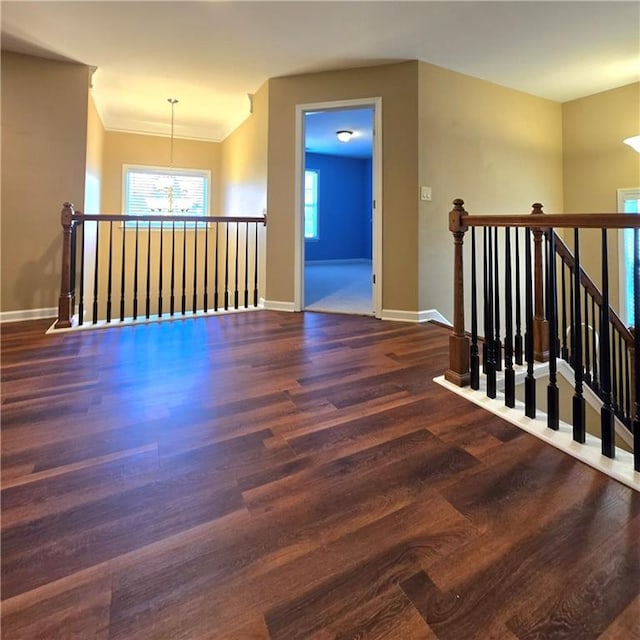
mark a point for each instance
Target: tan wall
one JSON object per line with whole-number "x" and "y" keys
{"x": 129, "y": 148}
{"x": 44, "y": 116}
{"x": 597, "y": 163}
{"x": 93, "y": 191}
{"x": 243, "y": 172}
{"x": 95, "y": 149}
{"x": 397, "y": 85}
{"x": 133, "y": 148}
{"x": 499, "y": 150}
{"x": 243, "y": 162}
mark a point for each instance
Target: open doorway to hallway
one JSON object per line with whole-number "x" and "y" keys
{"x": 337, "y": 210}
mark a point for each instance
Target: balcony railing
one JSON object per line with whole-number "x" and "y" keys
{"x": 122, "y": 267}
{"x": 533, "y": 283}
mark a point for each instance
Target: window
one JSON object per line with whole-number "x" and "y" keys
{"x": 311, "y": 205}
{"x": 628, "y": 202}
{"x": 157, "y": 190}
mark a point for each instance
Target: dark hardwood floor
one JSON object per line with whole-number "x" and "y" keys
{"x": 278, "y": 476}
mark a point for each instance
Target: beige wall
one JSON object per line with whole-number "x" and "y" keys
{"x": 596, "y": 164}
{"x": 129, "y": 148}
{"x": 243, "y": 162}
{"x": 499, "y": 150}
{"x": 95, "y": 149}
{"x": 397, "y": 85}
{"x": 44, "y": 147}
{"x": 132, "y": 148}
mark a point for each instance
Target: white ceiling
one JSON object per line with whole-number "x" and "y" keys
{"x": 210, "y": 55}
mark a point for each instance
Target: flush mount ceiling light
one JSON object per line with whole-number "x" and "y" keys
{"x": 633, "y": 142}
{"x": 344, "y": 135}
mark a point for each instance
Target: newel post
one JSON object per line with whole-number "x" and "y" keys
{"x": 65, "y": 301}
{"x": 540, "y": 323}
{"x": 458, "y": 371}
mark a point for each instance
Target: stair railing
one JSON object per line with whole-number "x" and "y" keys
{"x": 566, "y": 316}
{"x": 117, "y": 267}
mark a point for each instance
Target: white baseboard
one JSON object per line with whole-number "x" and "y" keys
{"x": 620, "y": 468}
{"x": 277, "y": 305}
{"x": 28, "y": 314}
{"x": 128, "y": 322}
{"x": 414, "y": 316}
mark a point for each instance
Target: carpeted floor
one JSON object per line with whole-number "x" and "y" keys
{"x": 339, "y": 287}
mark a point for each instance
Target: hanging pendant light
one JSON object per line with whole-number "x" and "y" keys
{"x": 172, "y": 195}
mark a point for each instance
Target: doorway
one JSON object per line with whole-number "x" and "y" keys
{"x": 338, "y": 219}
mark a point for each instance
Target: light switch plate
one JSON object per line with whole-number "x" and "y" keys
{"x": 425, "y": 194}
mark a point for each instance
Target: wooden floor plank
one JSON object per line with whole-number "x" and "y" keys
{"x": 272, "y": 476}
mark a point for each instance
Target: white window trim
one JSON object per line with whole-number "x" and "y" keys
{"x": 145, "y": 168}
{"x": 317, "y": 236}
{"x": 623, "y": 195}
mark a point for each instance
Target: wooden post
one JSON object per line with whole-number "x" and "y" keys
{"x": 540, "y": 323}
{"x": 65, "y": 301}
{"x": 458, "y": 371}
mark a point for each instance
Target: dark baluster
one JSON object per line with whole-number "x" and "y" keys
{"x": 636, "y": 348}
{"x": 572, "y": 324}
{"x": 255, "y": 269}
{"x": 160, "y": 270}
{"x": 595, "y": 381}
{"x": 246, "y": 265}
{"x": 205, "y": 299}
{"x": 606, "y": 412}
{"x": 215, "y": 277}
{"x": 587, "y": 342}
{"x": 123, "y": 272}
{"x": 556, "y": 259}
{"x": 172, "y": 300}
{"x": 474, "y": 380}
{"x": 184, "y": 268}
{"x": 614, "y": 372}
{"x": 109, "y": 271}
{"x": 627, "y": 386}
{"x": 72, "y": 265}
{"x": 578, "y": 398}
{"x": 135, "y": 277}
{"x": 235, "y": 290}
{"x": 147, "y": 306}
{"x": 486, "y": 343}
{"x": 620, "y": 406}
{"x": 81, "y": 300}
{"x": 564, "y": 353}
{"x": 195, "y": 268}
{"x": 96, "y": 271}
{"x": 489, "y": 330}
{"x": 509, "y": 373}
{"x": 529, "y": 381}
{"x": 497, "y": 346}
{"x": 553, "y": 398}
{"x": 518, "y": 338}
{"x": 226, "y": 268}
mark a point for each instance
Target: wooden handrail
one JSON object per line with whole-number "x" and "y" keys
{"x": 557, "y": 220}
{"x": 123, "y": 217}
{"x": 567, "y": 257}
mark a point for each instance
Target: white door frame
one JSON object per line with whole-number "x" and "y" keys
{"x": 376, "y": 250}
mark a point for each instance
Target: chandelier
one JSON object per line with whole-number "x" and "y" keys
{"x": 172, "y": 193}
